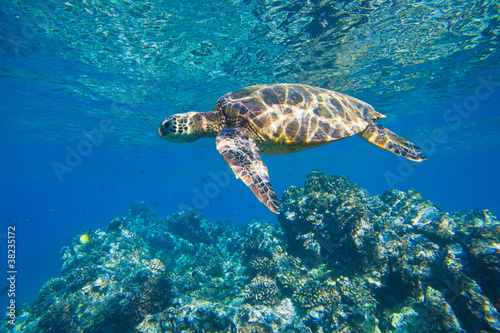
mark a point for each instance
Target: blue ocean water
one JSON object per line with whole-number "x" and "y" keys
{"x": 85, "y": 84}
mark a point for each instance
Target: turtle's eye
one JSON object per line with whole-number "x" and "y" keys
{"x": 167, "y": 123}
{"x": 170, "y": 125}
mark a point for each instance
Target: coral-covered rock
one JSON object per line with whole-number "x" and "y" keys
{"x": 191, "y": 226}
{"x": 263, "y": 266}
{"x": 156, "y": 266}
{"x": 401, "y": 245}
{"x": 262, "y": 291}
{"x": 313, "y": 294}
{"x": 340, "y": 260}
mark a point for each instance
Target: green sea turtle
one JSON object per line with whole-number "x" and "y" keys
{"x": 280, "y": 119}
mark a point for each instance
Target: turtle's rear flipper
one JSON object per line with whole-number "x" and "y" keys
{"x": 242, "y": 155}
{"x": 386, "y": 139}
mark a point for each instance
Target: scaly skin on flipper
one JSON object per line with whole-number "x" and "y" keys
{"x": 386, "y": 139}
{"x": 280, "y": 119}
{"x": 242, "y": 155}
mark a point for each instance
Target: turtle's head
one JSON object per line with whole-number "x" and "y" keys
{"x": 181, "y": 127}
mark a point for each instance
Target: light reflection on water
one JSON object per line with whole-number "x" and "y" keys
{"x": 137, "y": 62}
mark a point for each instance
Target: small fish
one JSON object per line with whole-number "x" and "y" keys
{"x": 84, "y": 239}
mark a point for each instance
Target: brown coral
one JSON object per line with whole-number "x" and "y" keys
{"x": 155, "y": 295}
{"x": 264, "y": 266}
{"x": 313, "y": 294}
{"x": 156, "y": 266}
{"x": 262, "y": 291}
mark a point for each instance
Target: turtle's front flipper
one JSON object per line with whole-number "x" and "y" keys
{"x": 242, "y": 155}
{"x": 386, "y": 139}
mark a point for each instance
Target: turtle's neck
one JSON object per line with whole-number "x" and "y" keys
{"x": 211, "y": 123}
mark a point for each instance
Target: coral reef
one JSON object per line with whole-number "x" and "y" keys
{"x": 264, "y": 266}
{"x": 339, "y": 260}
{"x": 422, "y": 266}
{"x": 313, "y": 294}
{"x": 262, "y": 291}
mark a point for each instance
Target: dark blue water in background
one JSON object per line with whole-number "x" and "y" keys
{"x": 67, "y": 70}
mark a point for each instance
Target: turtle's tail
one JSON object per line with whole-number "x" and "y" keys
{"x": 386, "y": 139}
